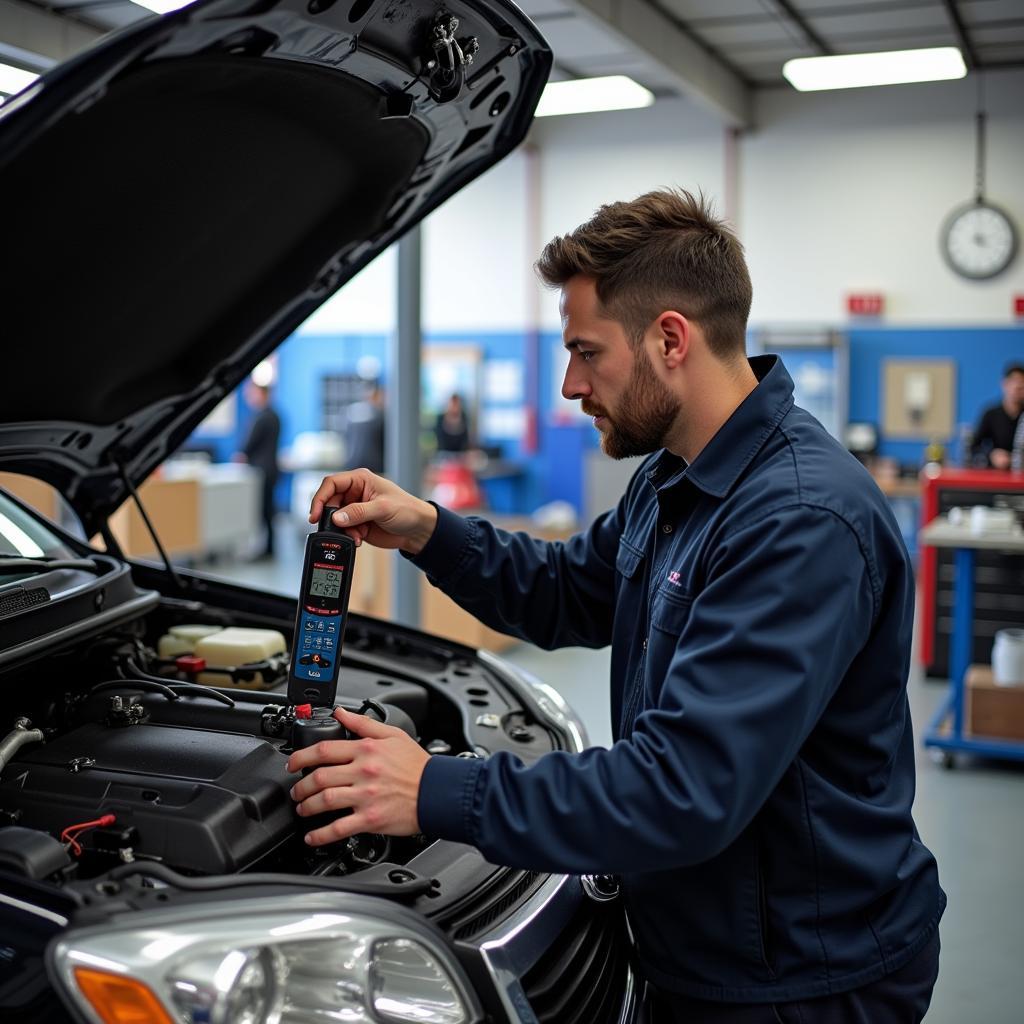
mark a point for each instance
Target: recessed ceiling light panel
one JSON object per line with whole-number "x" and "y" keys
{"x": 586, "y": 95}
{"x": 857, "y": 70}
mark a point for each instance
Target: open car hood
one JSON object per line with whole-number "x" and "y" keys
{"x": 180, "y": 198}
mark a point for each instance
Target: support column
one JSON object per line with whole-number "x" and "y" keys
{"x": 402, "y": 462}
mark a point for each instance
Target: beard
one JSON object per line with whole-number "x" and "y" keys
{"x": 643, "y": 415}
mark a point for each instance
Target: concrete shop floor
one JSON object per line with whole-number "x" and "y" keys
{"x": 972, "y": 818}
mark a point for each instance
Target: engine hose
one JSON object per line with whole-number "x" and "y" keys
{"x": 20, "y": 736}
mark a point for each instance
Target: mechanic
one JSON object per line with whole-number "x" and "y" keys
{"x": 996, "y": 432}
{"x": 758, "y": 600}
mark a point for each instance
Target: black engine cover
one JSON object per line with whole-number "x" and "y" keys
{"x": 202, "y": 801}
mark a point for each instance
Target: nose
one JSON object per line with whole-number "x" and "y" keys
{"x": 574, "y": 387}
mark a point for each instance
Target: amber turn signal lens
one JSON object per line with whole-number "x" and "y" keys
{"x": 120, "y": 1000}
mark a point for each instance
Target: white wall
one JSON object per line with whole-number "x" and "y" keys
{"x": 366, "y": 305}
{"x": 476, "y": 268}
{"x": 591, "y": 159}
{"x": 847, "y": 191}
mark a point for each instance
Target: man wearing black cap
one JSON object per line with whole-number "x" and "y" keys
{"x": 994, "y": 436}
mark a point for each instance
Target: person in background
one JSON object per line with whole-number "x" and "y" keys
{"x": 993, "y": 438}
{"x": 260, "y": 451}
{"x": 452, "y": 428}
{"x": 366, "y": 431}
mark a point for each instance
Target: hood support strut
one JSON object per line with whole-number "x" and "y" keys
{"x": 149, "y": 526}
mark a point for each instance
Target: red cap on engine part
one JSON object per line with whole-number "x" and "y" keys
{"x": 304, "y": 711}
{"x": 190, "y": 663}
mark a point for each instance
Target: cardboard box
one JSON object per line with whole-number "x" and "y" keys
{"x": 995, "y": 711}
{"x": 42, "y": 497}
{"x": 173, "y": 507}
{"x": 439, "y": 614}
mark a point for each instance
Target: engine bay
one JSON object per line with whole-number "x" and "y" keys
{"x": 128, "y": 747}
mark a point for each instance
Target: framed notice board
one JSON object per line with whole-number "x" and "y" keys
{"x": 919, "y": 398}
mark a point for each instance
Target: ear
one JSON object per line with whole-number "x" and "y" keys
{"x": 675, "y": 333}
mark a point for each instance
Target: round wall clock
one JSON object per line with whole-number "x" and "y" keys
{"x": 979, "y": 240}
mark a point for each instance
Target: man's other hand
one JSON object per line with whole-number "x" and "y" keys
{"x": 376, "y": 510}
{"x": 376, "y": 777}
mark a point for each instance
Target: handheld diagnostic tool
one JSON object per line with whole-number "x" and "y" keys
{"x": 322, "y": 614}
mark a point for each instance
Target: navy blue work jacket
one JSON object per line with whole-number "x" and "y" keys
{"x": 757, "y": 799}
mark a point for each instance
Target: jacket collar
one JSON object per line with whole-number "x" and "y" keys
{"x": 741, "y": 437}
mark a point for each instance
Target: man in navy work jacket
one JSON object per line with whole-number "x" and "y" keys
{"x": 758, "y": 599}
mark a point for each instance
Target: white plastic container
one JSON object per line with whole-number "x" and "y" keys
{"x": 235, "y": 646}
{"x": 183, "y": 639}
{"x": 1008, "y": 657}
{"x": 224, "y": 647}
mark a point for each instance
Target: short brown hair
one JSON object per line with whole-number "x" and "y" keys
{"x": 663, "y": 250}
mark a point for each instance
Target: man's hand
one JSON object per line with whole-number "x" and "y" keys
{"x": 376, "y": 510}
{"x": 376, "y": 776}
{"x": 1000, "y": 458}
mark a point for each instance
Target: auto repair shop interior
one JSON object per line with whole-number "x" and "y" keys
{"x": 881, "y": 226}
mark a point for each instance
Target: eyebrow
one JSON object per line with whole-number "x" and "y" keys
{"x": 576, "y": 342}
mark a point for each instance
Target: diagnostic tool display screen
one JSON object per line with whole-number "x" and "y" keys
{"x": 325, "y": 583}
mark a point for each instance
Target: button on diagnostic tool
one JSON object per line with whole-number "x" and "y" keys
{"x": 321, "y": 615}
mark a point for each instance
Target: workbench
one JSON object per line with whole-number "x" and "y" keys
{"x": 946, "y": 729}
{"x": 998, "y": 576}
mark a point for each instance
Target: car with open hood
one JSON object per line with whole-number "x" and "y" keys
{"x": 177, "y": 200}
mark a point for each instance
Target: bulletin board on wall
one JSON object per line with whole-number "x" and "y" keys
{"x": 919, "y": 398}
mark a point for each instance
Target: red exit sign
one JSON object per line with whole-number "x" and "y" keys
{"x": 865, "y": 304}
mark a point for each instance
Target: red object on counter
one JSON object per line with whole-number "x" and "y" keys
{"x": 456, "y": 487}
{"x": 949, "y": 479}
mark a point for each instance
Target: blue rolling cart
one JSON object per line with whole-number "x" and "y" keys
{"x": 946, "y": 729}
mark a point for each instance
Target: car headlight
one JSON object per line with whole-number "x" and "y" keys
{"x": 310, "y": 960}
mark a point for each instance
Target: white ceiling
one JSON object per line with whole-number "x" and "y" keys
{"x": 718, "y": 51}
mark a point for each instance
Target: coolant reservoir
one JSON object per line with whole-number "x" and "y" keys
{"x": 183, "y": 639}
{"x": 234, "y": 647}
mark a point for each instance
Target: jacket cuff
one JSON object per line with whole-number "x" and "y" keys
{"x": 444, "y": 807}
{"x": 442, "y": 554}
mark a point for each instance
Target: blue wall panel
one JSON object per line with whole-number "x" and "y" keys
{"x": 979, "y": 353}
{"x": 555, "y": 470}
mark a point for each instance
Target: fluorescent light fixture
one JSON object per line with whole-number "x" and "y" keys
{"x": 585, "y": 95}
{"x": 162, "y": 6}
{"x": 892, "y": 67}
{"x": 14, "y": 79}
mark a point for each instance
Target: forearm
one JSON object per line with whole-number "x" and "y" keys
{"x": 550, "y": 593}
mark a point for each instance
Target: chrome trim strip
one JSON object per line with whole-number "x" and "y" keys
{"x": 30, "y": 908}
{"x": 630, "y": 999}
{"x": 522, "y": 939}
